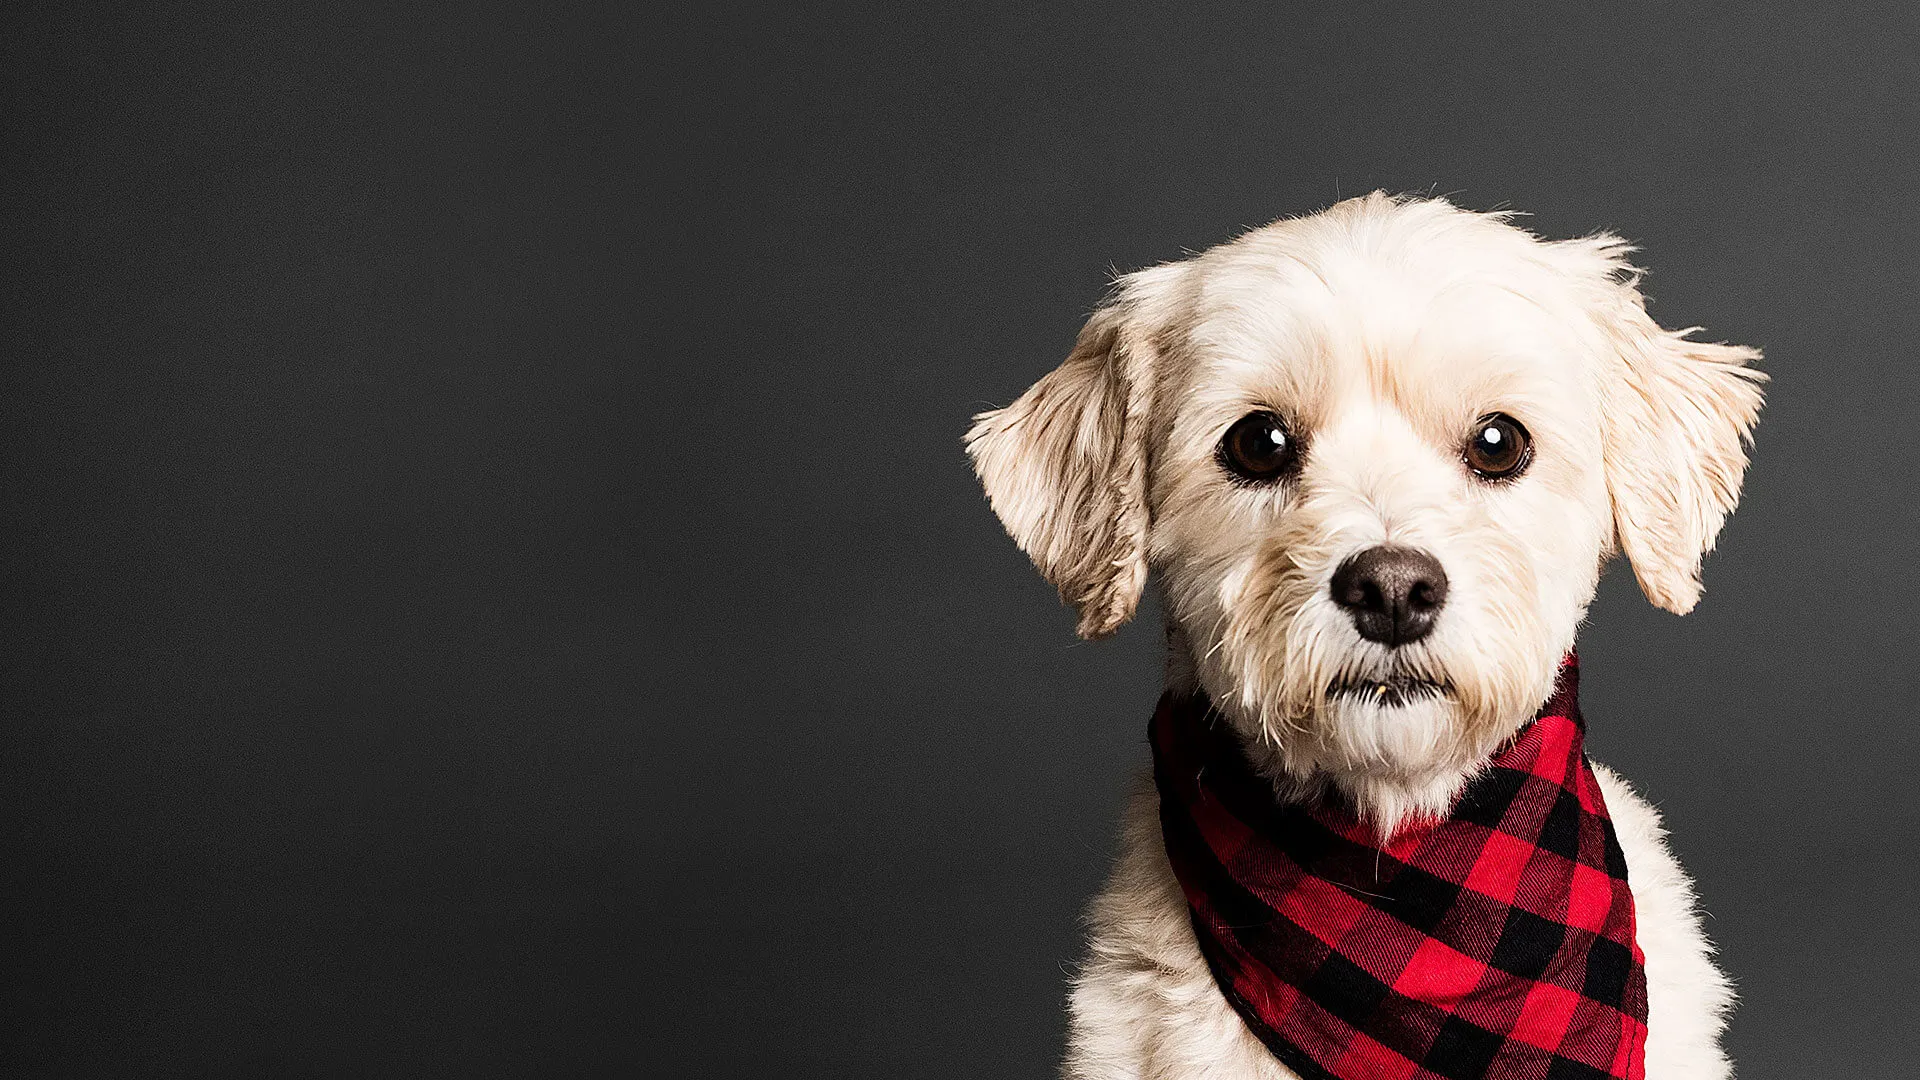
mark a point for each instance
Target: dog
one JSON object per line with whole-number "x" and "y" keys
{"x": 1375, "y": 459}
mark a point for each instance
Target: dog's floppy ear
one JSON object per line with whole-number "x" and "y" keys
{"x": 1065, "y": 466}
{"x": 1678, "y": 420}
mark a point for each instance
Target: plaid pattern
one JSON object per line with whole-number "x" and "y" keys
{"x": 1498, "y": 942}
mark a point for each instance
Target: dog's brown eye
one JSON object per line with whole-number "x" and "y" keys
{"x": 1500, "y": 448}
{"x": 1258, "y": 447}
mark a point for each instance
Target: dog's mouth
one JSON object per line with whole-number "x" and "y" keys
{"x": 1390, "y": 691}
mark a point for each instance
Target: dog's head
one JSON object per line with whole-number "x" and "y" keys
{"x": 1377, "y": 457}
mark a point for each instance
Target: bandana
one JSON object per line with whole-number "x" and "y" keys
{"x": 1497, "y": 942}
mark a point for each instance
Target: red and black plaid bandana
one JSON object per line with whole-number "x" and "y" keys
{"x": 1495, "y": 943}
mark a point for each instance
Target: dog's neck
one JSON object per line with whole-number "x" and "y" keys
{"x": 1386, "y": 798}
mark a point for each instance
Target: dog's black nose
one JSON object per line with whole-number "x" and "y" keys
{"x": 1393, "y": 593}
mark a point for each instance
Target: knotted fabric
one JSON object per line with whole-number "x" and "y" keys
{"x": 1497, "y": 942}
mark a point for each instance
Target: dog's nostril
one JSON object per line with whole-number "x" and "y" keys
{"x": 1366, "y": 594}
{"x": 1424, "y": 595}
{"x": 1394, "y": 594}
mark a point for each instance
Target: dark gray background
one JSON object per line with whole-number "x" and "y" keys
{"x": 493, "y": 586}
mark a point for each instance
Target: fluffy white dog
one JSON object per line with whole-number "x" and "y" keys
{"x": 1375, "y": 458}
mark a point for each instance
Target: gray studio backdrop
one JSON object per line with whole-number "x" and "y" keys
{"x": 495, "y": 588}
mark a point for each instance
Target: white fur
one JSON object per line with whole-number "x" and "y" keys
{"x": 1381, "y": 330}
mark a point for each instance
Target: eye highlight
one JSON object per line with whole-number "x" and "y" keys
{"x": 1259, "y": 449}
{"x": 1499, "y": 448}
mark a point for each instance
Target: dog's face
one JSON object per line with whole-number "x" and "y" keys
{"x": 1377, "y": 458}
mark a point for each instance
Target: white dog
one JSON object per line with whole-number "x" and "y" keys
{"x": 1375, "y": 458}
